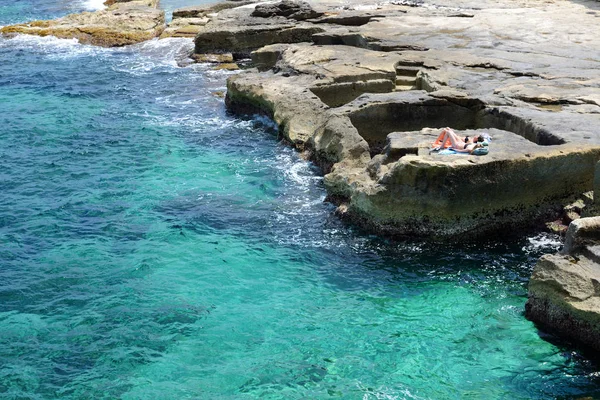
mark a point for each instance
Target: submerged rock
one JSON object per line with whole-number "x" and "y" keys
{"x": 564, "y": 290}
{"x": 121, "y": 24}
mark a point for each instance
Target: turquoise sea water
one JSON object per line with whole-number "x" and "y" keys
{"x": 154, "y": 247}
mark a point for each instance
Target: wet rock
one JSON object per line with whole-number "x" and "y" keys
{"x": 148, "y": 3}
{"x": 557, "y": 227}
{"x": 573, "y": 211}
{"x": 227, "y": 67}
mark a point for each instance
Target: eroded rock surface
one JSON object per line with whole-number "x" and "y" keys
{"x": 564, "y": 290}
{"x": 122, "y": 23}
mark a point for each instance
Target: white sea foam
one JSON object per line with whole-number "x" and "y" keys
{"x": 267, "y": 122}
{"x": 153, "y": 54}
{"x": 169, "y": 48}
{"x": 299, "y": 172}
{"x": 543, "y": 241}
{"x": 93, "y": 5}
{"x": 51, "y": 46}
{"x": 146, "y": 56}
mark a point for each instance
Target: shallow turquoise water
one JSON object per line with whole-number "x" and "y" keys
{"x": 154, "y": 247}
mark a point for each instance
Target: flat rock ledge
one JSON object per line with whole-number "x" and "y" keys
{"x": 365, "y": 103}
{"x": 187, "y": 22}
{"x": 121, "y": 23}
{"x": 564, "y": 289}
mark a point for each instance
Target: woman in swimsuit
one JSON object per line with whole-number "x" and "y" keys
{"x": 462, "y": 145}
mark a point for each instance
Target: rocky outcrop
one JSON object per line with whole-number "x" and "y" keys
{"x": 236, "y": 31}
{"x": 564, "y": 290}
{"x": 482, "y": 72}
{"x": 188, "y": 21}
{"x": 205, "y": 10}
{"x": 121, "y": 24}
{"x": 364, "y": 89}
{"x": 298, "y": 10}
{"x": 184, "y": 27}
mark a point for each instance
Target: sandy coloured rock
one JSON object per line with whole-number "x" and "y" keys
{"x": 395, "y": 79}
{"x": 122, "y": 23}
{"x": 564, "y": 289}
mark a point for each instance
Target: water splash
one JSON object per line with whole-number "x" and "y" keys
{"x": 93, "y": 5}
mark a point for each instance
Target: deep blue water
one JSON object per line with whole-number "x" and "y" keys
{"x": 154, "y": 247}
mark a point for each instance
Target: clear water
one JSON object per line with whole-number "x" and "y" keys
{"x": 154, "y": 247}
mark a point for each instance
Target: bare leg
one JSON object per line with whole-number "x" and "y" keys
{"x": 441, "y": 140}
{"x": 457, "y": 143}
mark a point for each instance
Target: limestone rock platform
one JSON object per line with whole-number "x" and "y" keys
{"x": 365, "y": 98}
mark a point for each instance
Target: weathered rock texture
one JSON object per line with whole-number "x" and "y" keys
{"x": 121, "y": 24}
{"x": 564, "y": 290}
{"x": 371, "y": 92}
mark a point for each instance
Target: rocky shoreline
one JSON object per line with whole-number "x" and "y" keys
{"x": 363, "y": 89}
{"x": 121, "y": 23}
{"x": 564, "y": 289}
{"x": 367, "y": 94}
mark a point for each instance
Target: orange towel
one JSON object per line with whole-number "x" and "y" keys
{"x": 438, "y": 142}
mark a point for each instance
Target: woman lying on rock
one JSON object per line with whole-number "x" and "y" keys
{"x": 449, "y": 138}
